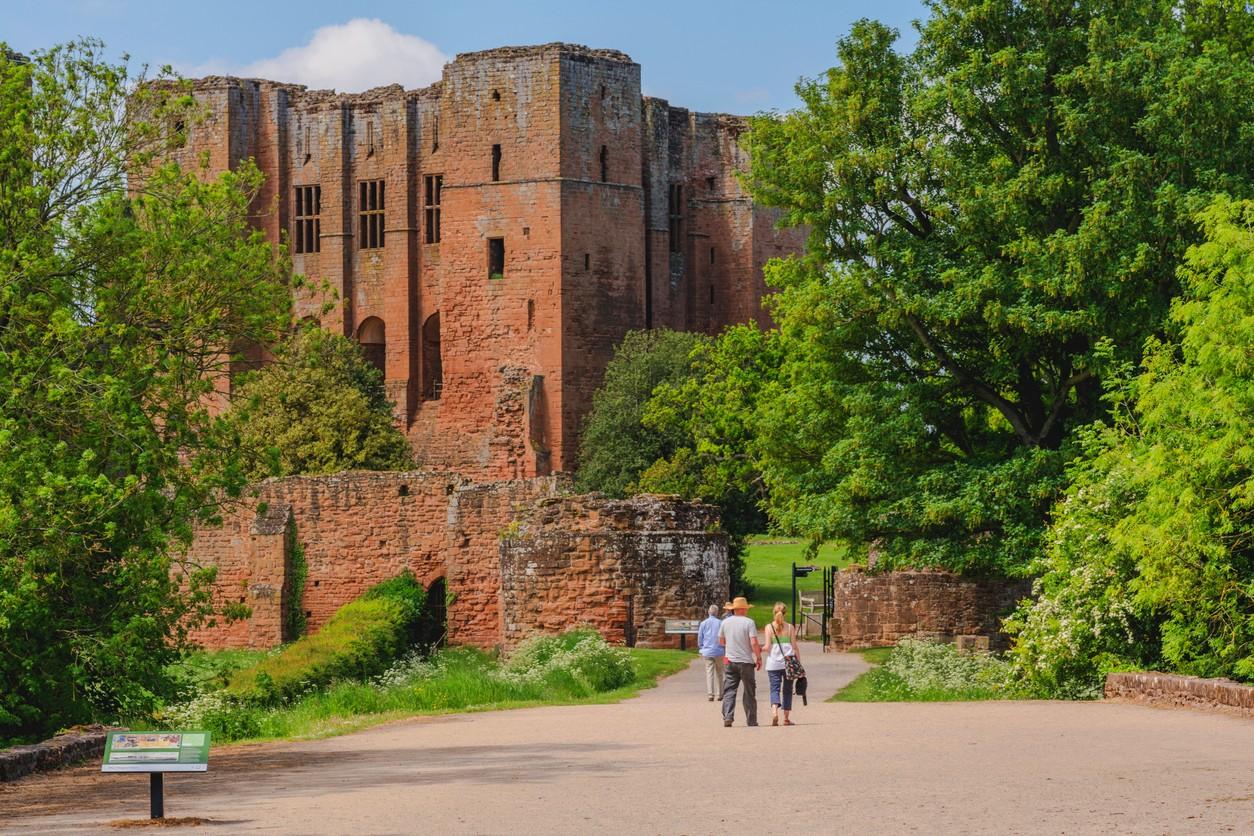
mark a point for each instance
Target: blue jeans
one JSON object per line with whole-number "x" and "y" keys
{"x": 777, "y": 678}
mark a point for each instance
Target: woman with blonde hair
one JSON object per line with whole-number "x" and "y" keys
{"x": 781, "y": 643}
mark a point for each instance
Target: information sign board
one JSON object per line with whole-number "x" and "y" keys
{"x": 167, "y": 751}
{"x": 682, "y": 626}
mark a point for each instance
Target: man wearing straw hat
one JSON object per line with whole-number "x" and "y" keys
{"x": 739, "y": 636}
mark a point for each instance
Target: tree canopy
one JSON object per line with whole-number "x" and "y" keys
{"x": 115, "y": 309}
{"x": 1150, "y": 562}
{"x": 985, "y": 213}
{"x": 319, "y": 407}
{"x": 616, "y": 447}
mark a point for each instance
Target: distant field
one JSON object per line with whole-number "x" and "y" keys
{"x": 768, "y": 566}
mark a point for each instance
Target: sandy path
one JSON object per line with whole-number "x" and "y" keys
{"x": 663, "y": 763}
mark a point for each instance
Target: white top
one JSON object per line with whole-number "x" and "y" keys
{"x": 779, "y": 649}
{"x": 738, "y": 633}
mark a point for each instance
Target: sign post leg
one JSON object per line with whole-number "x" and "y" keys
{"x": 683, "y": 641}
{"x": 156, "y": 795}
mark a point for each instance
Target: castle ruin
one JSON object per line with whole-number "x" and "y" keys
{"x": 489, "y": 240}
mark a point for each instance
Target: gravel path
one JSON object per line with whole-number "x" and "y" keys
{"x": 663, "y": 763}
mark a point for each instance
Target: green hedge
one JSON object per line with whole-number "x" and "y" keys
{"x": 360, "y": 640}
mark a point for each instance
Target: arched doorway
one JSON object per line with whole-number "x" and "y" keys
{"x": 437, "y": 613}
{"x": 371, "y": 335}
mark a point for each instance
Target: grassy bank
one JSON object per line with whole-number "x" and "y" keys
{"x": 768, "y": 566}
{"x": 454, "y": 680}
{"x": 929, "y": 672}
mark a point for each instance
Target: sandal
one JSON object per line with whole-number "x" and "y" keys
{"x": 789, "y": 723}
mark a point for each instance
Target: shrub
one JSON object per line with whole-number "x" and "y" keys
{"x": 360, "y": 641}
{"x": 932, "y": 667}
{"x": 578, "y": 657}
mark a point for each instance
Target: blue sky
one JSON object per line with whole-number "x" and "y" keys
{"x": 732, "y": 56}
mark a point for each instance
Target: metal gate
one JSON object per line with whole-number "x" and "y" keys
{"x": 829, "y": 602}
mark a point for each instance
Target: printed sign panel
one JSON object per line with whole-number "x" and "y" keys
{"x": 682, "y": 625}
{"x": 172, "y": 751}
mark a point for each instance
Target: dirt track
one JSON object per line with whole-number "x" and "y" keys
{"x": 663, "y": 763}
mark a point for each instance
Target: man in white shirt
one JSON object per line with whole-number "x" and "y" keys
{"x": 739, "y": 637}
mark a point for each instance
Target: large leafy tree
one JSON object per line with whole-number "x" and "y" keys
{"x": 1150, "y": 562}
{"x": 985, "y": 211}
{"x": 117, "y": 302}
{"x": 616, "y": 446}
{"x": 319, "y": 407}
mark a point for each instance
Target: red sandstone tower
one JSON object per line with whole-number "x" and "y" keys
{"x": 492, "y": 237}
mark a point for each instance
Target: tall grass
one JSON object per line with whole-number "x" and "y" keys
{"x": 576, "y": 667}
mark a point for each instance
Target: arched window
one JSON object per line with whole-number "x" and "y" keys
{"x": 432, "y": 370}
{"x": 371, "y": 337}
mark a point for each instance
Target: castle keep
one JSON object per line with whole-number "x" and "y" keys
{"x": 492, "y": 237}
{"x": 488, "y": 240}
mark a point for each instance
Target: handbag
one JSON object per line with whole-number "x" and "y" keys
{"x": 792, "y": 665}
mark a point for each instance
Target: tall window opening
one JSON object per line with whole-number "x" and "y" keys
{"x": 372, "y": 338}
{"x": 496, "y": 162}
{"x": 435, "y": 133}
{"x": 496, "y": 258}
{"x": 432, "y": 186}
{"x": 370, "y": 214}
{"x": 674, "y": 209}
{"x": 308, "y": 219}
{"x": 432, "y": 369}
{"x": 605, "y": 164}
{"x": 437, "y": 609}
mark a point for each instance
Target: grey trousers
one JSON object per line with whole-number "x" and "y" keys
{"x": 737, "y": 674}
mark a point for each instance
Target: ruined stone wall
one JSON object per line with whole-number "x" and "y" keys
{"x": 877, "y": 610}
{"x": 353, "y": 530}
{"x": 621, "y": 566}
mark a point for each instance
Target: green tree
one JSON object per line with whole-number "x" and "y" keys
{"x": 707, "y": 413}
{"x": 114, "y": 311}
{"x": 318, "y": 408}
{"x": 616, "y": 447}
{"x": 984, "y": 212}
{"x": 1150, "y": 560}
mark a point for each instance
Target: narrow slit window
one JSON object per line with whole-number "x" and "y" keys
{"x": 307, "y": 221}
{"x": 675, "y": 198}
{"x": 496, "y": 258}
{"x": 496, "y": 162}
{"x": 370, "y": 138}
{"x": 435, "y": 133}
{"x": 711, "y": 255}
{"x": 605, "y": 164}
{"x": 370, "y": 204}
{"x": 587, "y": 261}
{"x": 433, "y": 185}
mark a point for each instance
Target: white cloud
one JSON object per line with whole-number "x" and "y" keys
{"x": 349, "y": 57}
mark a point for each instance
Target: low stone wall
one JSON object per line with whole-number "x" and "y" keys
{"x": 1167, "y": 689}
{"x": 63, "y": 750}
{"x": 879, "y": 609}
{"x": 623, "y": 567}
{"x": 348, "y": 531}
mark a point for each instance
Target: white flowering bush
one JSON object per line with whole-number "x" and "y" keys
{"x": 580, "y": 655}
{"x": 930, "y": 666}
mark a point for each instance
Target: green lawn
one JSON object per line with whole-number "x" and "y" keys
{"x": 768, "y": 566}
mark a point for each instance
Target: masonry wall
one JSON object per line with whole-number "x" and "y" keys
{"x": 878, "y": 610}
{"x": 353, "y": 530}
{"x": 623, "y": 567}
{"x": 579, "y": 200}
{"x": 1173, "y": 691}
